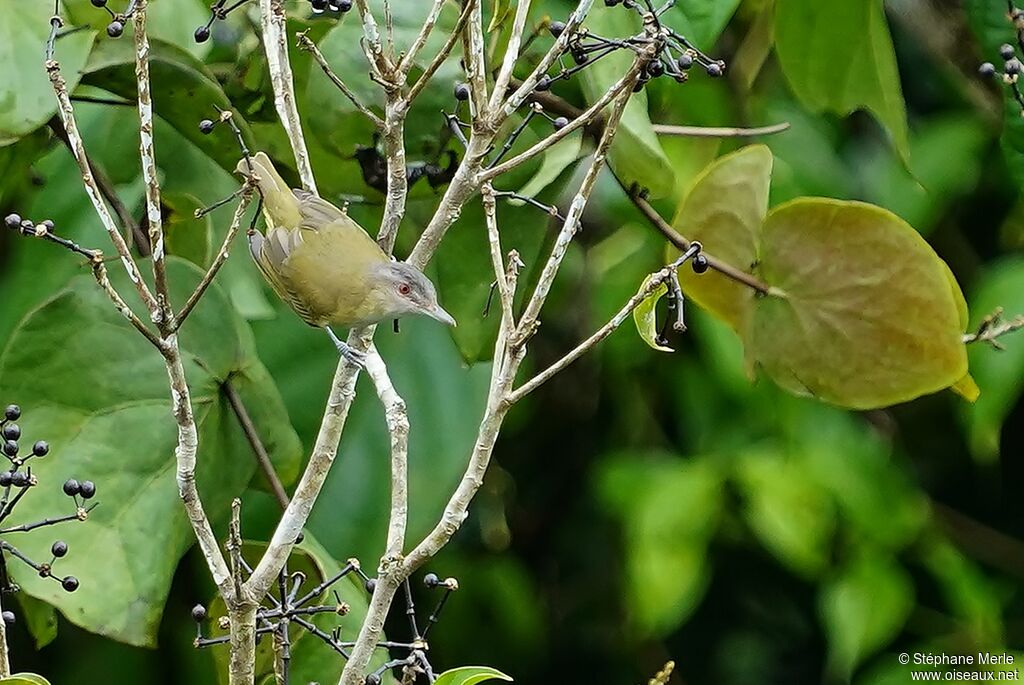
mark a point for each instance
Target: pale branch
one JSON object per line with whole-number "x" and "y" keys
{"x": 234, "y": 547}
{"x": 409, "y": 59}
{"x": 273, "y": 21}
{"x": 147, "y": 154}
{"x": 398, "y": 426}
{"x": 652, "y": 283}
{"x": 528, "y": 321}
{"x": 99, "y": 272}
{"x": 623, "y": 85}
{"x": 512, "y": 48}
{"x": 719, "y": 131}
{"x": 494, "y": 243}
{"x": 993, "y": 327}
{"x": 380, "y": 67}
{"x": 309, "y": 46}
{"x": 474, "y": 61}
{"x": 398, "y": 180}
{"x": 66, "y": 113}
{"x": 220, "y": 259}
{"x": 683, "y": 244}
{"x": 528, "y": 86}
{"x": 442, "y": 54}
{"x": 252, "y": 436}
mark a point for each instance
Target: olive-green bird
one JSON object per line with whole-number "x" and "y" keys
{"x": 326, "y": 267}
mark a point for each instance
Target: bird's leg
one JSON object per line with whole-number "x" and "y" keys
{"x": 347, "y": 351}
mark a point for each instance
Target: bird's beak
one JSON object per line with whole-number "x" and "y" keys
{"x": 441, "y": 315}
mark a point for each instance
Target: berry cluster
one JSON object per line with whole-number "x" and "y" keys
{"x": 44, "y": 230}
{"x": 320, "y": 6}
{"x": 16, "y": 481}
{"x": 1012, "y": 65}
{"x": 115, "y": 29}
{"x": 291, "y": 606}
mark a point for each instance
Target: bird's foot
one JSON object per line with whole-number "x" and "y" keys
{"x": 350, "y": 353}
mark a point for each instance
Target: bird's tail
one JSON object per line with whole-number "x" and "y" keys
{"x": 280, "y": 205}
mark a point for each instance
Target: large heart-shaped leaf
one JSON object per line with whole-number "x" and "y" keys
{"x": 28, "y": 101}
{"x": 838, "y": 57}
{"x": 724, "y": 211}
{"x": 98, "y": 392}
{"x": 862, "y": 313}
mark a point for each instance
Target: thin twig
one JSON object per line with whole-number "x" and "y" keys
{"x": 719, "y": 131}
{"x": 409, "y": 59}
{"x": 308, "y": 45}
{"x": 992, "y": 327}
{"x": 443, "y": 53}
{"x": 512, "y": 47}
{"x": 252, "y": 435}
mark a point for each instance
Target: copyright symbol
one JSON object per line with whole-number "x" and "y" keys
{"x": 904, "y": 658}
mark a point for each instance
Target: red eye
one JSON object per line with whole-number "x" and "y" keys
{"x": 404, "y": 289}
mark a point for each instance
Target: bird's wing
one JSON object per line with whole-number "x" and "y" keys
{"x": 316, "y": 212}
{"x": 269, "y": 253}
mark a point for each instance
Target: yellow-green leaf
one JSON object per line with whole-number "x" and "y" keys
{"x": 864, "y": 315}
{"x": 645, "y": 316}
{"x": 724, "y": 210}
{"x": 470, "y": 675}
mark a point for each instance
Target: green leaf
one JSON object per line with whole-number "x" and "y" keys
{"x": 667, "y": 529}
{"x": 28, "y": 100}
{"x": 187, "y": 92}
{"x": 40, "y": 617}
{"x": 173, "y": 21}
{"x": 838, "y": 57}
{"x": 97, "y": 391}
{"x": 186, "y": 236}
{"x": 863, "y": 609}
{"x": 645, "y": 316}
{"x": 702, "y": 21}
{"x": 555, "y": 160}
{"x": 861, "y": 312}
{"x": 999, "y": 373}
{"x": 500, "y": 12}
{"x": 470, "y": 675}
{"x": 635, "y": 155}
{"x": 24, "y": 679}
{"x": 724, "y": 211}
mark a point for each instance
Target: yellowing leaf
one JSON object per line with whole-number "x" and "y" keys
{"x": 724, "y": 210}
{"x": 645, "y": 316}
{"x": 865, "y": 315}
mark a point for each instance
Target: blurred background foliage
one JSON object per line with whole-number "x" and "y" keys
{"x": 640, "y": 508}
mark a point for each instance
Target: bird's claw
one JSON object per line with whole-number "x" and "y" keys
{"x": 352, "y": 355}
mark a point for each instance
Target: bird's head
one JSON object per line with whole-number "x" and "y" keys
{"x": 403, "y": 289}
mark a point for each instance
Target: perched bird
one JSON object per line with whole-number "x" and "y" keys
{"x": 326, "y": 267}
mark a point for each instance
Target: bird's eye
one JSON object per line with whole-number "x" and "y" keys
{"x": 404, "y": 289}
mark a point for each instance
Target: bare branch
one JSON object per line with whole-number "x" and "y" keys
{"x": 379, "y": 65}
{"x": 67, "y": 116}
{"x": 273, "y": 20}
{"x": 219, "y": 259}
{"x": 421, "y": 38}
{"x": 99, "y": 271}
{"x": 398, "y": 181}
{"x": 253, "y": 437}
{"x": 719, "y": 131}
{"x": 235, "y": 547}
{"x": 992, "y": 327}
{"x": 473, "y": 58}
{"x": 494, "y": 240}
{"x": 508, "y": 64}
{"x": 306, "y": 44}
{"x": 443, "y": 53}
{"x": 149, "y": 171}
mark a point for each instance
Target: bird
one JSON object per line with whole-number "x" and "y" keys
{"x": 326, "y": 267}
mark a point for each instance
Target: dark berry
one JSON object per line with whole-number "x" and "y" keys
{"x": 5, "y": 479}
{"x": 59, "y": 548}
{"x": 19, "y": 479}
{"x": 99, "y": 3}
{"x": 1013, "y": 67}
{"x": 560, "y": 123}
{"x": 1006, "y": 51}
{"x": 70, "y": 583}
{"x": 12, "y": 221}
{"x": 556, "y": 28}
{"x": 431, "y": 580}
{"x": 344, "y": 5}
{"x": 47, "y": 224}
{"x": 12, "y": 431}
{"x": 579, "y": 56}
{"x": 372, "y": 679}
{"x": 700, "y": 264}
{"x": 202, "y": 34}
{"x": 206, "y": 127}
{"x": 87, "y": 489}
{"x": 13, "y": 411}
{"x": 299, "y": 538}
{"x": 8, "y": 617}
{"x": 462, "y": 91}
{"x": 41, "y": 448}
{"x": 198, "y": 613}
{"x": 987, "y": 70}
{"x": 370, "y": 585}
{"x": 611, "y": 3}
{"x": 10, "y": 448}
{"x": 543, "y": 84}
{"x": 715, "y": 70}
{"x": 656, "y": 68}
{"x": 115, "y": 29}
{"x": 685, "y": 61}
{"x": 318, "y": 5}
{"x": 71, "y": 487}
{"x": 641, "y": 82}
